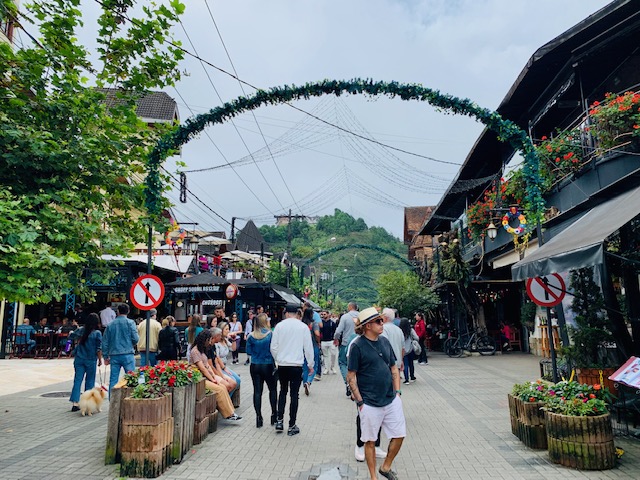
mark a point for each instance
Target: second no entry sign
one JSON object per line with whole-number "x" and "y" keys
{"x": 546, "y": 291}
{"x": 147, "y": 292}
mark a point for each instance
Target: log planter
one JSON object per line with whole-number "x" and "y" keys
{"x": 584, "y": 443}
{"x": 528, "y": 422}
{"x": 183, "y": 408}
{"x": 112, "y": 452}
{"x": 145, "y": 436}
{"x": 204, "y": 407}
{"x": 591, "y": 376}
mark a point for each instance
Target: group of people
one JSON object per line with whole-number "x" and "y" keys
{"x": 372, "y": 348}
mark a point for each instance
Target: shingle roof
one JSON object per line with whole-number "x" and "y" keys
{"x": 249, "y": 238}
{"x": 153, "y": 106}
{"x": 414, "y": 218}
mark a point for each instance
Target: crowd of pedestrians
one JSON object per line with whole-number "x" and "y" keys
{"x": 375, "y": 352}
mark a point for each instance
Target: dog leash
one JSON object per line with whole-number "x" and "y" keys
{"x": 101, "y": 375}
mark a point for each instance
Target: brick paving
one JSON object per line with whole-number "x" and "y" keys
{"x": 457, "y": 420}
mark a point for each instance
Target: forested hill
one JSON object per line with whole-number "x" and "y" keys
{"x": 352, "y": 272}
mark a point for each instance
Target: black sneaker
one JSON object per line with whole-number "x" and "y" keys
{"x": 234, "y": 418}
{"x": 75, "y": 408}
{"x": 390, "y": 474}
{"x": 279, "y": 426}
{"x": 293, "y": 431}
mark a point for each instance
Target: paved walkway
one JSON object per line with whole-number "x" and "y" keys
{"x": 457, "y": 416}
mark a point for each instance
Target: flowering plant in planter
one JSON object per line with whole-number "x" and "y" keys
{"x": 561, "y": 152}
{"x": 532, "y": 391}
{"x": 149, "y": 390}
{"x": 616, "y": 119}
{"x": 168, "y": 374}
{"x": 576, "y": 399}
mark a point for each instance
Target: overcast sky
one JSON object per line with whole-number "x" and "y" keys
{"x": 468, "y": 48}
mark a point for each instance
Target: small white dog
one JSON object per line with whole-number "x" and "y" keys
{"x": 91, "y": 400}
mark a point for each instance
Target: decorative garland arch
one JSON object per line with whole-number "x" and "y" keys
{"x": 506, "y": 130}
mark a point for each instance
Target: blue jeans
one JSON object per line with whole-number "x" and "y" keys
{"x": 306, "y": 378}
{"x": 409, "y": 368}
{"x": 235, "y": 376}
{"x": 83, "y": 369}
{"x": 342, "y": 361}
{"x": 127, "y": 362}
{"x": 152, "y": 359}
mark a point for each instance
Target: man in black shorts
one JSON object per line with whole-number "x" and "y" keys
{"x": 374, "y": 381}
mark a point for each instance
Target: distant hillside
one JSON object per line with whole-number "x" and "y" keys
{"x": 351, "y": 273}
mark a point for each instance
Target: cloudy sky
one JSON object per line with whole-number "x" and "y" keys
{"x": 468, "y": 48}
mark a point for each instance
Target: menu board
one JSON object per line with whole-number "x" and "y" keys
{"x": 629, "y": 373}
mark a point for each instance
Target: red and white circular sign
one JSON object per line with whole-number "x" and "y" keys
{"x": 147, "y": 292}
{"x": 547, "y": 291}
{"x": 231, "y": 291}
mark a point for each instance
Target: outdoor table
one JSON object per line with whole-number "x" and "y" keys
{"x": 44, "y": 345}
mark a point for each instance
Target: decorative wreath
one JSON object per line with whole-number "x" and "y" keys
{"x": 175, "y": 227}
{"x": 512, "y": 215}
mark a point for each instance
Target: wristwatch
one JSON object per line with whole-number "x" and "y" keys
{"x": 399, "y": 392}
{"x": 360, "y": 403}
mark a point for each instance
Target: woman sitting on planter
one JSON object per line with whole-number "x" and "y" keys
{"x": 224, "y": 345}
{"x": 225, "y": 379}
{"x": 200, "y": 360}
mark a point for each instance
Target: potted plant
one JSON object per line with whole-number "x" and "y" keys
{"x": 616, "y": 121}
{"x": 588, "y": 354}
{"x": 578, "y": 426}
{"x": 527, "y": 417}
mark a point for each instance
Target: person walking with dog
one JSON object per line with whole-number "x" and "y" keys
{"x": 87, "y": 353}
{"x": 117, "y": 345}
{"x": 290, "y": 345}
{"x": 374, "y": 380}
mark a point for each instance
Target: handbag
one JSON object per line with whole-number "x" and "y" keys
{"x": 415, "y": 345}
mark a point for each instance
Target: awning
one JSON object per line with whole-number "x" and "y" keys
{"x": 581, "y": 244}
{"x": 174, "y": 263}
{"x": 513, "y": 256}
{"x": 290, "y": 298}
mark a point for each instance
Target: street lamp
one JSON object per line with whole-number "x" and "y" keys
{"x": 492, "y": 231}
{"x": 193, "y": 244}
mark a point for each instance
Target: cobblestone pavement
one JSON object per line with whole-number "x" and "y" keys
{"x": 457, "y": 420}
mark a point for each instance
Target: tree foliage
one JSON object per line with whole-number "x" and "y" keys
{"x": 405, "y": 291}
{"x": 70, "y": 166}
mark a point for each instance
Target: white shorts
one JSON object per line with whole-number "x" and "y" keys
{"x": 390, "y": 418}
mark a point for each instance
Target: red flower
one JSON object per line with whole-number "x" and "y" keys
{"x": 597, "y": 386}
{"x": 592, "y": 395}
{"x": 544, "y": 137}
{"x": 172, "y": 381}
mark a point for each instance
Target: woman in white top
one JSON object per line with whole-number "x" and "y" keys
{"x": 223, "y": 347}
{"x": 235, "y": 327}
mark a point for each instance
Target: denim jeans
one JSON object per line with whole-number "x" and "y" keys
{"x": 235, "y": 376}
{"x": 290, "y": 380}
{"x": 125, "y": 361}
{"x": 409, "y": 368}
{"x": 84, "y": 369}
{"x": 342, "y": 362}
{"x": 306, "y": 378}
{"x": 152, "y": 359}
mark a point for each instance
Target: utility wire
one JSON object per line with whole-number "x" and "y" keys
{"x": 252, "y": 112}
{"x": 231, "y": 120}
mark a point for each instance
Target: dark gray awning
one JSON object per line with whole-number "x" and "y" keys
{"x": 287, "y": 295}
{"x": 581, "y": 244}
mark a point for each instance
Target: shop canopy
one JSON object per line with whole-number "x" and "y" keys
{"x": 173, "y": 263}
{"x": 581, "y": 244}
{"x": 287, "y": 295}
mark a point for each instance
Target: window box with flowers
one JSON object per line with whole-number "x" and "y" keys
{"x": 616, "y": 122}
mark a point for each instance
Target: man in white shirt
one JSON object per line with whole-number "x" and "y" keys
{"x": 107, "y": 315}
{"x": 394, "y": 335}
{"x": 290, "y": 345}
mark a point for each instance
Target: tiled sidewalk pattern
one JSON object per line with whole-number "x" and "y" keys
{"x": 457, "y": 420}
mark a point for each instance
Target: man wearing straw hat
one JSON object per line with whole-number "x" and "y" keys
{"x": 374, "y": 381}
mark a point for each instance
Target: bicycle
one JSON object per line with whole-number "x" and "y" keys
{"x": 477, "y": 342}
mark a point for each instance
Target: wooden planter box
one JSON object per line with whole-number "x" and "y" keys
{"x": 200, "y": 430}
{"x": 528, "y": 422}
{"x": 211, "y": 403}
{"x": 112, "y": 452}
{"x": 235, "y": 398}
{"x": 201, "y": 390}
{"x": 213, "y": 422}
{"x": 146, "y": 433}
{"x": 585, "y": 443}
{"x": 184, "y": 406}
{"x": 591, "y": 376}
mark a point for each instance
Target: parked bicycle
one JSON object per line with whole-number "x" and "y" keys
{"x": 479, "y": 342}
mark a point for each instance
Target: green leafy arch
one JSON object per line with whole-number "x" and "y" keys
{"x": 360, "y": 246}
{"x": 506, "y": 130}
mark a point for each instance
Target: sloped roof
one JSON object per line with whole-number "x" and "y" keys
{"x": 414, "y": 218}
{"x": 249, "y": 238}
{"x": 153, "y": 106}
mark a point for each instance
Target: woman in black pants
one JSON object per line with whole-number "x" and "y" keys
{"x": 262, "y": 367}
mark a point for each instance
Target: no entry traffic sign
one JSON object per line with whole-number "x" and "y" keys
{"x": 547, "y": 291}
{"x": 147, "y": 292}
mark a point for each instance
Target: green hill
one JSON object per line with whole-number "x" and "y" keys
{"x": 341, "y": 276}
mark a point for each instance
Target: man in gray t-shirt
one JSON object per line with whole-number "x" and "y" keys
{"x": 394, "y": 335}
